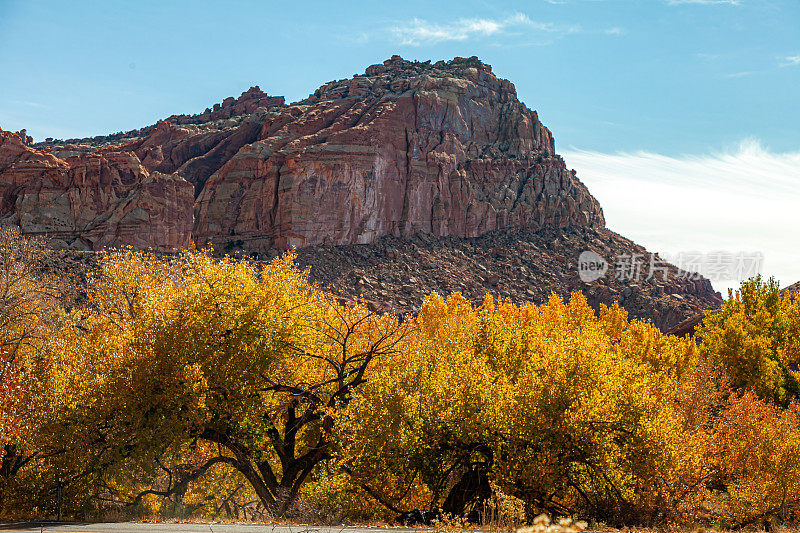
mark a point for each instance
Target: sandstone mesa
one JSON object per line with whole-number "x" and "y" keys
{"x": 408, "y": 149}
{"x": 444, "y": 148}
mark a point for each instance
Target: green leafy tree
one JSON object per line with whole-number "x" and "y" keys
{"x": 756, "y": 339}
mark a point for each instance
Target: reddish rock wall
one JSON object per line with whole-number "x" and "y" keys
{"x": 444, "y": 149}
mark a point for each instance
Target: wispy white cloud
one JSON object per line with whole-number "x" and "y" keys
{"x": 420, "y": 31}
{"x": 743, "y": 74}
{"x": 791, "y": 61}
{"x": 617, "y": 31}
{"x": 28, "y": 103}
{"x": 705, "y": 2}
{"x": 740, "y": 200}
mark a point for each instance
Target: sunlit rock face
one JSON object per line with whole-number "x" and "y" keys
{"x": 90, "y": 200}
{"x": 445, "y": 149}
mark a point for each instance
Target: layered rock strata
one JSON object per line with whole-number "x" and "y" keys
{"x": 450, "y": 181}
{"x": 445, "y": 149}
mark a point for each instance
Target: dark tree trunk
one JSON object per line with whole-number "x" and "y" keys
{"x": 276, "y": 495}
{"x": 473, "y": 487}
{"x": 11, "y": 463}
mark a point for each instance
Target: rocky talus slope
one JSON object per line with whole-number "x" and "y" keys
{"x": 522, "y": 265}
{"x": 439, "y": 162}
{"x": 791, "y": 290}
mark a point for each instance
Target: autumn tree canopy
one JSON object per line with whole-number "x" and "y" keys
{"x": 30, "y": 309}
{"x": 29, "y": 293}
{"x": 188, "y": 383}
{"x": 756, "y": 339}
{"x": 253, "y": 360}
{"x": 567, "y": 411}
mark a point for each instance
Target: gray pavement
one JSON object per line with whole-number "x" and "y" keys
{"x": 137, "y": 527}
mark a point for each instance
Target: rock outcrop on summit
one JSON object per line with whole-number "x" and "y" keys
{"x": 445, "y": 149}
{"x": 441, "y": 150}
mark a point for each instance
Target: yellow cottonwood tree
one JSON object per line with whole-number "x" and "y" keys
{"x": 30, "y": 310}
{"x": 29, "y": 293}
{"x": 417, "y": 425}
{"x": 249, "y": 358}
{"x": 566, "y": 410}
{"x": 186, "y": 380}
{"x": 756, "y": 339}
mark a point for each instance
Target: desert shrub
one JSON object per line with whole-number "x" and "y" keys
{"x": 503, "y": 512}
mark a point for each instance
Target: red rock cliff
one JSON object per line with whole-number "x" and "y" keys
{"x": 92, "y": 200}
{"x": 445, "y": 149}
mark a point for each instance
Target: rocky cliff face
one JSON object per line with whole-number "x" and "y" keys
{"x": 443, "y": 149}
{"x": 92, "y": 200}
{"x": 408, "y": 149}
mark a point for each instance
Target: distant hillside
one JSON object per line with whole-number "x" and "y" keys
{"x": 409, "y": 152}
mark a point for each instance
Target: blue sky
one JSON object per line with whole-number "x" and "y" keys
{"x": 668, "y": 76}
{"x": 689, "y": 80}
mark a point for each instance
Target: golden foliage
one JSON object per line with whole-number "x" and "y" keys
{"x": 195, "y": 385}
{"x": 247, "y": 357}
{"x": 574, "y": 412}
{"x": 756, "y": 339}
{"x": 757, "y": 448}
{"x": 29, "y": 294}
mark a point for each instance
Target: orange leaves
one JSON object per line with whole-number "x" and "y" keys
{"x": 757, "y": 450}
{"x": 11, "y": 395}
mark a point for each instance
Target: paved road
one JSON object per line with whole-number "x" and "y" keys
{"x": 134, "y": 527}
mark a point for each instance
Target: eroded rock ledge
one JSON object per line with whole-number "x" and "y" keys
{"x": 452, "y": 182}
{"x": 408, "y": 147}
